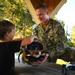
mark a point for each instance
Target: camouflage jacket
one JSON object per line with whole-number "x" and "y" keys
{"x": 52, "y": 38}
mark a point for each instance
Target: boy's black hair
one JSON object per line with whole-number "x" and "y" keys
{"x": 41, "y": 6}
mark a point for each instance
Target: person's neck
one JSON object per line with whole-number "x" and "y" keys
{"x": 46, "y": 22}
{"x": 5, "y": 40}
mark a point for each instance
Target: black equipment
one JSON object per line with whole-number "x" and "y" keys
{"x": 32, "y": 52}
{"x": 68, "y": 69}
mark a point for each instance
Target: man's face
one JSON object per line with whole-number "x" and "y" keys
{"x": 42, "y": 15}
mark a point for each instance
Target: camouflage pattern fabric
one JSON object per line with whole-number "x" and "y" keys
{"x": 53, "y": 38}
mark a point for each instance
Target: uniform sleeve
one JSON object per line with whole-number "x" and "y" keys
{"x": 61, "y": 33}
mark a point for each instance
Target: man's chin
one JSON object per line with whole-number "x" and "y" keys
{"x": 41, "y": 22}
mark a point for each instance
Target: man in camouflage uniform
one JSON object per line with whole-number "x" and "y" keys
{"x": 52, "y": 35}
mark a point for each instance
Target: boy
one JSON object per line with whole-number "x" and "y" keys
{"x": 8, "y": 47}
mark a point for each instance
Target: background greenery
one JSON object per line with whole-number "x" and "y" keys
{"x": 17, "y": 12}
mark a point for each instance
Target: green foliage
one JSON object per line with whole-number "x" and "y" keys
{"x": 16, "y": 11}
{"x": 68, "y": 39}
{"x": 73, "y": 35}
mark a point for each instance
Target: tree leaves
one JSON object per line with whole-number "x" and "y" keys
{"x": 17, "y": 12}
